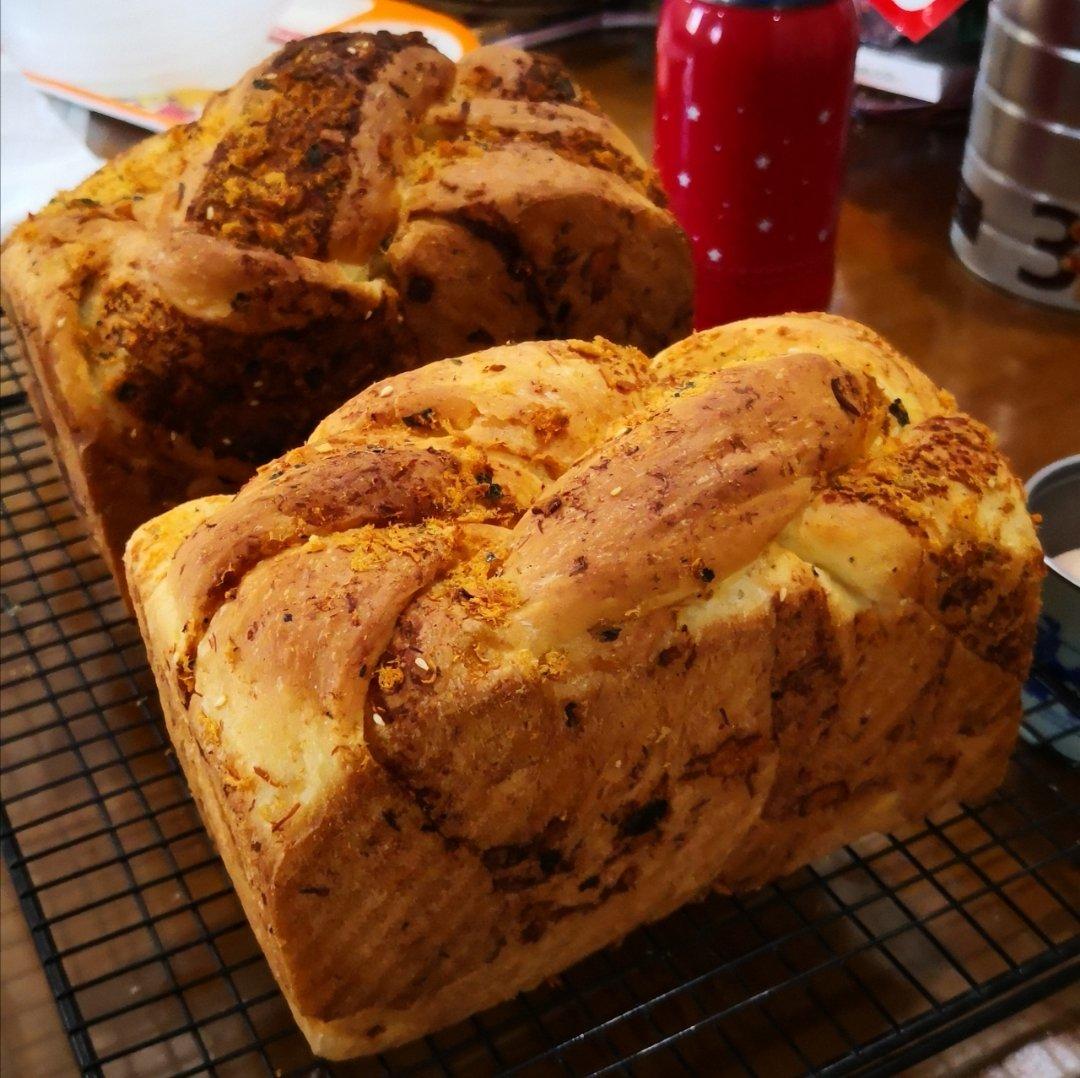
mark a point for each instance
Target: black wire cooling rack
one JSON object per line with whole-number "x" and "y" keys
{"x": 868, "y": 961}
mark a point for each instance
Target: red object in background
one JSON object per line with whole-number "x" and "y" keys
{"x": 752, "y": 103}
{"x": 916, "y": 18}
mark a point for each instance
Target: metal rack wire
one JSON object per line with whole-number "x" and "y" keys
{"x": 868, "y": 961}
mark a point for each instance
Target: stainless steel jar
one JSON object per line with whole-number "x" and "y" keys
{"x": 1017, "y": 221}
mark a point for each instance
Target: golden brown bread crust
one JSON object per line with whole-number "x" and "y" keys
{"x": 526, "y": 648}
{"x": 354, "y": 206}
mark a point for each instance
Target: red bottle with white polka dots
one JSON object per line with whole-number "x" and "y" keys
{"x": 752, "y": 103}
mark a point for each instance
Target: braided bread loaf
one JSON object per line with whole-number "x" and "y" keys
{"x": 526, "y": 648}
{"x": 352, "y": 207}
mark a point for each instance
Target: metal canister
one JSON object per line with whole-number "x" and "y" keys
{"x": 1017, "y": 221}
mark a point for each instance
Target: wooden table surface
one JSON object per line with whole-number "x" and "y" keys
{"x": 1012, "y": 364}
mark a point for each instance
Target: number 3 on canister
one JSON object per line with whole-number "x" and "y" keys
{"x": 1066, "y": 249}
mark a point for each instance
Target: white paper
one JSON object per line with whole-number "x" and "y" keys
{"x": 39, "y": 153}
